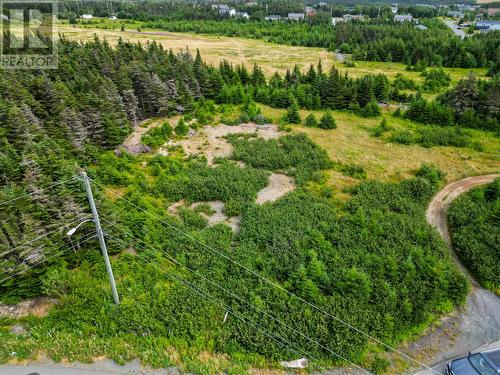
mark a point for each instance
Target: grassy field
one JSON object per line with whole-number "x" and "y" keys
{"x": 351, "y": 143}
{"x": 271, "y": 57}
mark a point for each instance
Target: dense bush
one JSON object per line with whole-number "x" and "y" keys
{"x": 327, "y": 121}
{"x": 474, "y": 220}
{"x": 431, "y": 136}
{"x": 156, "y": 137}
{"x": 296, "y": 155}
{"x": 226, "y": 182}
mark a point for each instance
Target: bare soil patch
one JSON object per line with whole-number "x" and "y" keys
{"x": 37, "y": 306}
{"x": 278, "y": 186}
{"x": 211, "y": 143}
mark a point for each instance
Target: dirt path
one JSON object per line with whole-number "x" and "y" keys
{"x": 278, "y": 186}
{"x": 474, "y": 326}
{"x": 436, "y": 213}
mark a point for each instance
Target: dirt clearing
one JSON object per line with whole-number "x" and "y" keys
{"x": 211, "y": 143}
{"x": 278, "y": 186}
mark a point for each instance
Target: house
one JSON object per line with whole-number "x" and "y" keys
{"x": 394, "y": 9}
{"x": 224, "y": 10}
{"x": 485, "y": 26}
{"x": 310, "y": 12}
{"x": 403, "y": 18}
{"x": 87, "y": 16}
{"x": 273, "y": 17}
{"x": 353, "y": 17}
{"x": 336, "y": 20}
{"x": 296, "y": 16}
{"x": 322, "y": 4}
{"x": 244, "y": 15}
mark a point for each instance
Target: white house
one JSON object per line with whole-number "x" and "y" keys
{"x": 87, "y": 16}
{"x": 273, "y": 17}
{"x": 403, "y": 18}
{"x": 244, "y": 15}
{"x": 296, "y": 16}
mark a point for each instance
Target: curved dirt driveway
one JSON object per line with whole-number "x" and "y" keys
{"x": 477, "y": 323}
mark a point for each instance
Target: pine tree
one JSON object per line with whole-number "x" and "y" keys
{"x": 311, "y": 121}
{"x": 327, "y": 121}
{"x": 292, "y": 113}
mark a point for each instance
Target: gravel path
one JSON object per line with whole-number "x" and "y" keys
{"x": 477, "y": 324}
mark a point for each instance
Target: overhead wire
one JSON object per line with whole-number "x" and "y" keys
{"x": 323, "y": 311}
{"x": 175, "y": 262}
{"x": 43, "y": 260}
{"x": 39, "y": 190}
{"x": 241, "y": 317}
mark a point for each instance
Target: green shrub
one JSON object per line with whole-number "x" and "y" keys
{"x": 379, "y": 130}
{"x": 327, "y": 121}
{"x": 297, "y": 155}
{"x": 371, "y": 109}
{"x": 474, "y": 220}
{"x": 181, "y": 129}
{"x": 292, "y": 113}
{"x": 311, "y": 121}
{"x": 156, "y": 137}
{"x": 353, "y": 170}
{"x": 404, "y": 137}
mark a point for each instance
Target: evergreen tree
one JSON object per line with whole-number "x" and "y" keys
{"x": 327, "y": 121}
{"x": 292, "y": 113}
{"x": 311, "y": 121}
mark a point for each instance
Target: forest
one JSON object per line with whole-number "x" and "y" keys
{"x": 335, "y": 256}
{"x": 474, "y": 220}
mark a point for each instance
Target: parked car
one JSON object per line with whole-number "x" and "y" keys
{"x": 483, "y": 363}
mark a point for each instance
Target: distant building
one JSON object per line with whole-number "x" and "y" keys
{"x": 244, "y": 15}
{"x": 296, "y": 16}
{"x": 403, "y": 18}
{"x": 87, "y": 16}
{"x": 493, "y": 11}
{"x": 224, "y": 9}
{"x": 336, "y": 20}
{"x": 394, "y": 9}
{"x": 273, "y": 17}
{"x": 353, "y": 17}
{"x": 485, "y": 26}
{"x": 322, "y": 4}
{"x": 310, "y": 12}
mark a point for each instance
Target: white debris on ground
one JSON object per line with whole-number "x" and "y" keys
{"x": 210, "y": 141}
{"x": 297, "y": 363}
{"x": 278, "y": 186}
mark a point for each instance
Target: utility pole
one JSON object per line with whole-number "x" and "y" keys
{"x": 100, "y": 235}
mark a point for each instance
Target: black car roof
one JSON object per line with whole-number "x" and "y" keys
{"x": 493, "y": 356}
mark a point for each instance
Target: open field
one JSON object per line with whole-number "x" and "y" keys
{"x": 271, "y": 57}
{"x": 351, "y": 143}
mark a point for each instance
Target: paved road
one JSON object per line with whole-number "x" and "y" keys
{"x": 453, "y": 26}
{"x": 105, "y": 367}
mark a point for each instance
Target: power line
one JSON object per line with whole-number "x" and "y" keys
{"x": 38, "y": 190}
{"x": 174, "y": 261}
{"x": 239, "y": 316}
{"x": 367, "y": 335}
{"x": 39, "y": 237}
{"x": 38, "y": 263}
{"x": 85, "y": 239}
